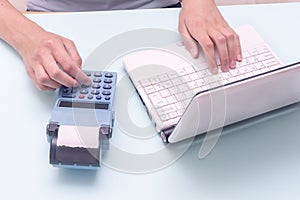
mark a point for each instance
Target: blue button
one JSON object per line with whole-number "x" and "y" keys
{"x": 107, "y": 80}
{"x": 97, "y": 74}
{"x": 108, "y": 75}
{"x": 96, "y": 92}
{"x": 96, "y": 86}
{"x": 106, "y": 93}
{"x": 87, "y": 73}
{"x": 96, "y": 80}
{"x": 84, "y": 91}
{"x": 107, "y": 87}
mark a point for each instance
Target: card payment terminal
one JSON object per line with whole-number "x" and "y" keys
{"x": 81, "y": 122}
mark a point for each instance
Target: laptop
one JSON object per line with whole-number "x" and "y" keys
{"x": 184, "y": 99}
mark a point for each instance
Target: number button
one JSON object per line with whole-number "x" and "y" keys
{"x": 96, "y": 86}
{"x": 95, "y": 92}
{"x": 96, "y": 80}
{"x": 107, "y": 87}
{"x": 108, "y": 75}
{"x": 97, "y": 74}
{"x": 106, "y": 93}
{"x": 107, "y": 80}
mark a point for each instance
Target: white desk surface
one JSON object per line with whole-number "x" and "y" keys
{"x": 259, "y": 160}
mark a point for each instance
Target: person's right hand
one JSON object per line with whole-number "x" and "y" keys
{"x": 52, "y": 61}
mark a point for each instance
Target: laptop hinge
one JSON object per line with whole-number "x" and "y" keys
{"x": 164, "y": 134}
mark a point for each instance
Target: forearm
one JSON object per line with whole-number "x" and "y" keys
{"x": 15, "y": 28}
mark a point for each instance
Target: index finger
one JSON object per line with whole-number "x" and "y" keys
{"x": 71, "y": 67}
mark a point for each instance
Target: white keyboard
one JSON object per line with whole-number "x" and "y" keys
{"x": 170, "y": 93}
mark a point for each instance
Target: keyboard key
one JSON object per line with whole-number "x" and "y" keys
{"x": 181, "y": 72}
{"x": 183, "y": 88}
{"x": 167, "y": 84}
{"x": 176, "y": 81}
{"x": 167, "y": 109}
{"x": 163, "y": 77}
{"x": 264, "y": 56}
{"x": 194, "y": 76}
{"x": 246, "y": 54}
{"x": 157, "y": 100}
{"x": 252, "y": 60}
{"x": 186, "y": 78}
{"x": 253, "y": 52}
{"x": 165, "y": 93}
{"x": 164, "y": 117}
{"x": 171, "y": 99}
{"x": 158, "y": 86}
{"x": 234, "y": 72}
{"x": 270, "y": 62}
{"x": 262, "y": 49}
{"x": 173, "y": 114}
{"x": 174, "y": 90}
{"x": 259, "y": 65}
{"x": 180, "y": 96}
{"x": 172, "y": 75}
{"x": 190, "y": 70}
{"x": 145, "y": 82}
{"x": 192, "y": 84}
{"x": 149, "y": 89}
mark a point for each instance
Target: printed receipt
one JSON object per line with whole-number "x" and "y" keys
{"x": 78, "y": 136}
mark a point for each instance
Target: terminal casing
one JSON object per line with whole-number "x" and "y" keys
{"x": 80, "y": 128}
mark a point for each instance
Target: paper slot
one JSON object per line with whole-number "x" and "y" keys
{"x": 78, "y": 136}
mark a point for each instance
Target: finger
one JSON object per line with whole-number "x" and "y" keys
{"x": 238, "y": 48}
{"x": 42, "y": 78}
{"x": 232, "y": 54}
{"x": 209, "y": 51}
{"x": 221, "y": 44}
{"x": 70, "y": 67}
{"x": 55, "y": 73}
{"x": 72, "y": 51}
{"x": 32, "y": 76}
{"x": 189, "y": 42}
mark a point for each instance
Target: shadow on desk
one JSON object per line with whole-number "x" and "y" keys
{"x": 77, "y": 177}
{"x": 249, "y": 152}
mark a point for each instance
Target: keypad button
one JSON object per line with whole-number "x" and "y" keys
{"x": 81, "y": 96}
{"x": 96, "y": 86}
{"x": 107, "y": 80}
{"x": 98, "y": 97}
{"x": 107, "y": 97}
{"x": 87, "y": 73}
{"x": 66, "y": 91}
{"x": 107, "y": 87}
{"x": 97, "y": 74}
{"x": 90, "y": 96}
{"x": 97, "y": 80}
{"x": 84, "y": 91}
{"x": 106, "y": 93}
{"x": 108, "y": 75}
{"x": 95, "y": 92}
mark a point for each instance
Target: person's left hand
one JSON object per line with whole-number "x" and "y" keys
{"x": 201, "y": 21}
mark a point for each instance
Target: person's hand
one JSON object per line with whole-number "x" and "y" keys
{"x": 52, "y": 61}
{"x": 201, "y": 21}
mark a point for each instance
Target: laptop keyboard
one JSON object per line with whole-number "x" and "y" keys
{"x": 170, "y": 93}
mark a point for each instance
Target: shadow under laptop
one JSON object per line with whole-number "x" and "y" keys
{"x": 249, "y": 151}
